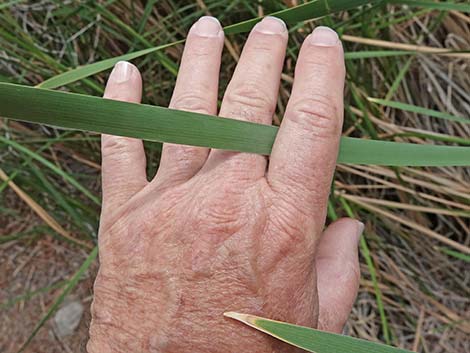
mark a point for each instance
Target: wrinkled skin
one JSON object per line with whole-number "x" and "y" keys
{"x": 202, "y": 248}
{"x": 219, "y": 231}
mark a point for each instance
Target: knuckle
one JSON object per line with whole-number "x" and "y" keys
{"x": 252, "y": 96}
{"x": 290, "y": 220}
{"x": 343, "y": 268}
{"x": 201, "y": 48}
{"x": 302, "y": 187}
{"x": 353, "y": 273}
{"x": 325, "y": 64}
{"x": 184, "y": 159}
{"x": 194, "y": 102}
{"x": 116, "y": 146}
{"x": 219, "y": 215}
{"x": 263, "y": 44}
{"x": 316, "y": 114}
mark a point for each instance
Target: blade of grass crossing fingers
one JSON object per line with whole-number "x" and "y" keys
{"x": 418, "y": 110}
{"x": 68, "y": 288}
{"x": 312, "y": 9}
{"x": 310, "y": 339}
{"x": 154, "y": 123}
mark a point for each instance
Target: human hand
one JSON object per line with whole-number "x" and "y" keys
{"x": 219, "y": 231}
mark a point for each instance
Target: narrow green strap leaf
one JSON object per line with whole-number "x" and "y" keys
{"x": 153, "y": 123}
{"x": 51, "y": 166}
{"x": 312, "y": 9}
{"x": 313, "y": 340}
{"x": 456, "y": 254}
{"x": 10, "y": 3}
{"x": 418, "y": 110}
{"x": 68, "y": 288}
{"x": 82, "y": 72}
{"x": 431, "y": 4}
{"x": 368, "y": 54}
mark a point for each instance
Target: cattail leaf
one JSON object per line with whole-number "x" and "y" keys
{"x": 312, "y": 340}
{"x": 153, "y": 123}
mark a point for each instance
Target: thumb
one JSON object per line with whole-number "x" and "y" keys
{"x": 338, "y": 273}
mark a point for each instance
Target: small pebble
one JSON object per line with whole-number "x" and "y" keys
{"x": 68, "y": 318}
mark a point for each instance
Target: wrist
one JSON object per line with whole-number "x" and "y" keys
{"x": 137, "y": 318}
{"x": 205, "y": 336}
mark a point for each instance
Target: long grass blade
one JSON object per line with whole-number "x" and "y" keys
{"x": 312, "y": 340}
{"x": 92, "y": 69}
{"x": 456, "y": 254}
{"x": 435, "y": 5}
{"x": 10, "y": 3}
{"x": 154, "y": 123}
{"x": 312, "y": 9}
{"x": 368, "y": 54}
{"x": 419, "y": 110}
{"x": 30, "y": 294}
{"x": 49, "y": 165}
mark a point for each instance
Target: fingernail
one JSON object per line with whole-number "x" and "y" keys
{"x": 271, "y": 25}
{"x": 360, "y": 230}
{"x": 207, "y": 26}
{"x": 324, "y": 36}
{"x": 122, "y": 72}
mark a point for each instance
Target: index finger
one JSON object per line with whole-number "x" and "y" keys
{"x": 305, "y": 151}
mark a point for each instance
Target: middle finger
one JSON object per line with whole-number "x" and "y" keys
{"x": 252, "y": 93}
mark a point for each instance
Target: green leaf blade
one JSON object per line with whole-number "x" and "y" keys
{"x": 419, "y": 110}
{"x": 361, "y": 151}
{"x": 435, "y": 5}
{"x": 310, "y": 10}
{"x": 153, "y": 123}
{"x": 84, "y": 71}
{"x": 313, "y": 340}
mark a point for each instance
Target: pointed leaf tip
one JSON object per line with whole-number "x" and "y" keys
{"x": 237, "y": 316}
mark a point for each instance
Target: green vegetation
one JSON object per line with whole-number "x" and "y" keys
{"x": 312, "y": 340}
{"x": 415, "y": 247}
